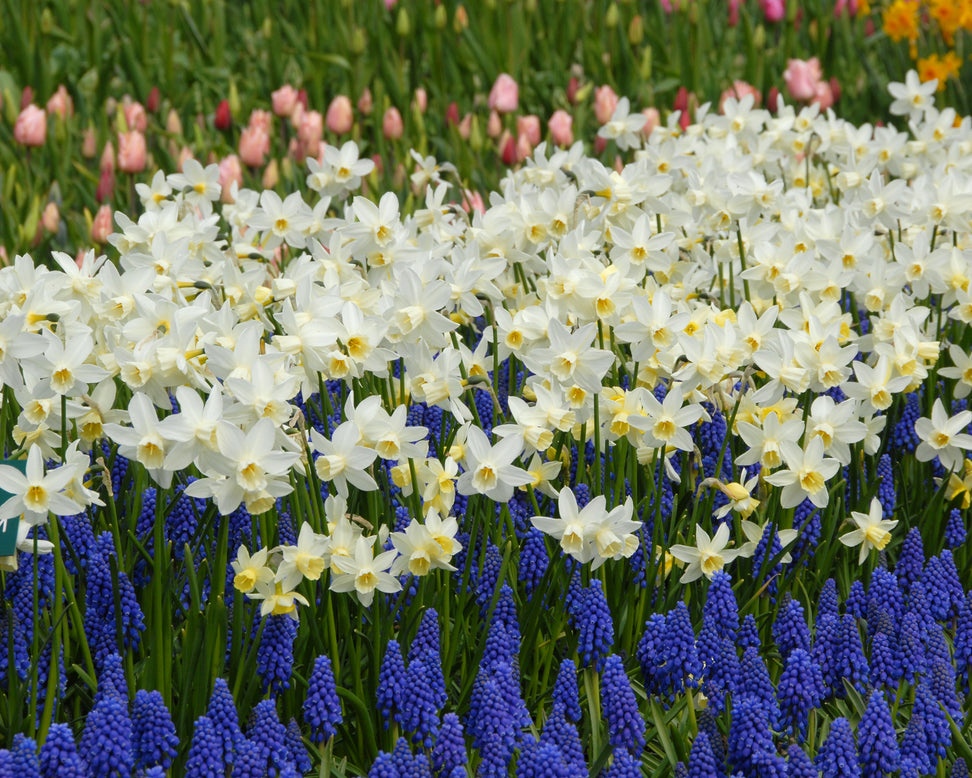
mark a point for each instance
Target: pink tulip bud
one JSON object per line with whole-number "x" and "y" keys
{"x": 507, "y": 145}
{"x": 101, "y": 226}
{"x": 153, "y": 100}
{"x": 465, "y": 126}
{"x": 835, "y": 88}
{"x": 311, "y": 129}
{"x": 106, "y": 185}
{"x": 529, "y": 126}
{"x": 26, "y": 97}
{"x": 605, "y": 101}
{"x": 173, "y": 124}
{"x": 573, "y": 84}
{"x": 421, "y": 100}
{"x": 284, "y": 100}
{"x": 107, "y": 161}
{"x": 773, "y": 10}
{"x": 135, "y": 116}
{"x": 495, "y": 125}
{"x": 823, "y": 95}
{"x": 184, "y": 153}
{"x": 652, "y": 120}
{"x": 452, "y": 114}
{"x": 89, "y": 143}
{"x": 561, "y": 126}
{"x": 31, "y": 127}
{"x": 51, "y": 218}
{"x": 271, "y": 175}
{"x": 771, "y": 98}
{"x": 600, "y": 144}
{"x": 340, "y": 115}
{"x": 739, "y": 90}
{"x": 505, "y": 94}
{"x": 392, "y": 125}
{"x": 472, "y": 201}
{"x": 802, "y": 77}
{"x": 223, "y": 118}
{"x": 60, "y": 103}
{"x": 254, "y": 144}
{"x": 131, "y": 152}
{"x": 230, "y": 170}
{"x": 261, "y": 119}
{"x": 523, "y": 147}
{"x": 4, "y": 256}
{"x": 734, "y": 12}
{"x": 366, "y": 103}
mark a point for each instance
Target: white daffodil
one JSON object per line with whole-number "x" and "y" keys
{"x": 873, "y": 531}
{"x": 490, "y": 469}
{"x": 364, "y": 572}
{"x": 35, "y": 493}
{"x": 941, "y": 437}
{"x": 707, "y": 556}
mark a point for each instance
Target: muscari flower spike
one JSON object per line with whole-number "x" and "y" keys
{"x": 322, "y": 707}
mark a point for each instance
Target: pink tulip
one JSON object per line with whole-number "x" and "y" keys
{"x": 173, "y": 124}
{"x": 107, "y": 161}
{"x": 802, "y": 77}
{"x": 230, "y": 170}
{"x": 421, "y": 100}
{"x": 31, "y": 126}
{"x": 310, "y": 130}
{"x": 529, "y": 126}
{"x": 523, "y": 148}
{"x": 254, "y": 145}
{"x": 340, "y": 115}
{"x": 823, "y": 95}
{"x": 605, "y": 101}
{"x": 184, "y": 153}
{"x": 452, "y": 114}
{"x": 472, "y": 201}
{"x": 739, "y": 90}
{"x": 261, "y": 119}
{"x": 366, "y": 103}
{"x": 51, "y": 218}
{"x": 89, "y": 144}
{"x": 561, "y": 126}
{"x": 505, "y": 94}
{"x": 507, "y": 145}
{"x": 392, "y": 125}
{"x": 135, "y": 116}
{"x": 773, "y": 10}
{"x": 60, "y": 103}
{"x": 734, "y": 12}
{"x": 271, "y": 175}
{"x": 495, "y": 125}
{"x": 652, "y": 120}
{"x": 465, "y": 126}
{"x": 131, "y": 152}
{"x": 284, "y": 100}
{"x": 106, "y": 185}
{"x": 101, "y": 226}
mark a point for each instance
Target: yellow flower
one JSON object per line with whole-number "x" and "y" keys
{"x": 901, "y": 20}
{"x": 942, "y": 68}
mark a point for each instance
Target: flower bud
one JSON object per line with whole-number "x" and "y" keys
{"x": 461, "y": 20}
{"x": 51, "y": 218}
{"x": 392, "y": 125}
{"x": 153, "y": 100}
{"x": 101, "y": 226}
{"x": 31, "y": 127}
{"x": 613, "y": 16}
{"x": 131, "y": 151}
{"x": 366, "y": 103}
{"x": 636, "y": 30}
{"x": 223, "y": 119}
{"x": 402, "y": 24}
{"x": 271, "y": 175}
{"x": 89, "y": 143}
{"x": 440, "y": 17}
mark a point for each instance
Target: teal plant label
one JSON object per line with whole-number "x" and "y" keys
{"x": 8, "y": 529}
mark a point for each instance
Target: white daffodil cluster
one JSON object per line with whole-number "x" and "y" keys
{"x": 753, "y": 261}
{"x": 348, "y": 554}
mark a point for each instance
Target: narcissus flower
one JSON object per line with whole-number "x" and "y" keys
{"x": 707, "y": 556}
{"x": 872, "y": 530}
